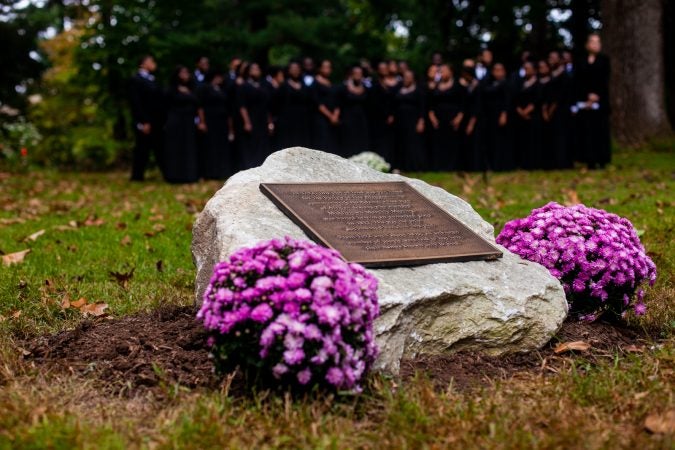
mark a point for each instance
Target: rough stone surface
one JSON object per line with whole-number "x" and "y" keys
{"x": 504, "y": 306}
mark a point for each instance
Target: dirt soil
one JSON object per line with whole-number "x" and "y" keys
{"x": 165, "y": 347}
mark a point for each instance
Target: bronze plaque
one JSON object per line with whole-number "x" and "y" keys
{"x": 378, "y": 224}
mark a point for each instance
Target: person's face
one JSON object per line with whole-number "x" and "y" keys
{"x": 217, "y": 80}
{"x": 184, "y": 75}
{"x": 554, "y": 60}
{"x": 486, "y": 57}
{"x": 403, "y": 66}
{"x": 294, "y": 71}
{"x": 382, "y": 69}
{"x": 436, "y": 59}
{"x": 543, "y": 69}
{"x": 149, "y": 64}
{"x": 393, "y": 68}
{"x": 357, "y": 75}
{"x": 203, "y": 64}
{"x": 446, "y": 73}
{"x": 567, "y": 57}
{"x": 326, "y": 69}
{"x": 408, "y": 78}
{"x": 254, "y": 71}
{"x": 498, "y": 72}
{"x": 528, "y": 67}
{"x": 431, "y": 72}
{"x": 469, "y": 69}
{"x": 234, "y": 63}
{"x": 524, "y": 56}
{"x": 308, "y": 65}
{"x": 593, "y": 44}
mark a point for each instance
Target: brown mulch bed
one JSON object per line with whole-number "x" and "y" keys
{"x": 164, "y": 347}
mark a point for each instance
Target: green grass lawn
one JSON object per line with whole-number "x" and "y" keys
{"x": 127, "y": 245}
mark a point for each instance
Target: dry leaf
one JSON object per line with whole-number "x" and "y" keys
{"x": 14, "y": 258}
{"x": 78, "y": 303}
{"x": 571, "y": 346}
{"x": 65, "y": 301}
{"x": 121, "y": 225}
{"x": 93, "y": 221}
{"x": 661, "y": 423}
{"x": 572, "y": 198}
{"x": 2, "y": 318}
{"x": 126, "y": 240}
{"x": 634, "y": 349}
{"x": 160, "y": 266}
{"x": 33, "y": 237}
{"x": 16, "y": 314}
{"x": 123, "y": 278}
{"x": 95, "y": 309}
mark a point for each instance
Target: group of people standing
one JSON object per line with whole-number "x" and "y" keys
{"x": 210, "y": 123}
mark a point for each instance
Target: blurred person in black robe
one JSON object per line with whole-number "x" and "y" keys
{"x": 184, "y": 118}
{"x": 233, "y": 65}
{"x": 148, "y": 112}
{"x": 252, "y": 103}
{"x": 547, "y": 160}
{"x": 409, "y": 112}
{"x": 527, "y": 119}
{"x": 446, "y": 104}
{"x": 352, "y": 100}
{"x": 202, "y": 68}
{"x": 326, "y": 116}
{"x": 556, "y": 111}
{"x": 293, "y": 106}
{"x": 494, "y": 128}
{"x": 592, "y": 105}
{"x": 216, "y": 150}
{"x": 472, "y": 156}
{"x": 380, "y": 104}
{"x": 308, "y": 71}
{"x": 484, "y": 64}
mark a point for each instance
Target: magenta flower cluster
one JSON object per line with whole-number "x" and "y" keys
{"x": 293, "y": 310}
{"x": 596, "y": 255}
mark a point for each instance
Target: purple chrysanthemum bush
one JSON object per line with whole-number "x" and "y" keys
{"x": 292, "y": 312}
{"x": 596, "y": 255}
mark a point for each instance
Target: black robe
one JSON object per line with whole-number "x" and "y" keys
{"x": 216, "y": 159}
{"x": 380, "y": 108}
{"x": 324, "y": 133}
{"x": 255, "y": 145}
{"x": 293, "y": 116}
{"x": 472, "y": 157}
{"x": 527, "y": 141}
{"x": 354, "y": 136}
{"x": 593, "y": 136}
{"x": 445, "y": 140}
{"x": 496, "y": 141}
{"x": 147, "y": 106}
{"x": 556, "y": 131}
{"x": 180, "y": 138}
{"x": 410, "y": 149}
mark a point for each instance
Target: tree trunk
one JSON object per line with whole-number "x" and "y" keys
{"x": 633, "y": 39}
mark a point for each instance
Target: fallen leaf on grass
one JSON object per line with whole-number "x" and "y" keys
{"x": 121, "y": 225}
{"x": 126, "y": 240}
{"x": 65, "y": 301}
{"x": 634, "y": 349}
{"x": 571, "y": 197}
{"x": 571, "y": 346}
{"x": 16, "y": 314}
{"x": 160, "y": 266}
{"x": 14, "y": 258}
{"x": 661, "y": 423}
{"x": 95, "y": 309}
{"x": 123, "y": 277}
{"x": 156, "y": 229}
{"x": 93, "y": 221}
{"x": 78, "y": 303}
{"x": 33, "y": 237}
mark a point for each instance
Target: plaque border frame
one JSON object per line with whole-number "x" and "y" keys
{"x": 382, "y": 262}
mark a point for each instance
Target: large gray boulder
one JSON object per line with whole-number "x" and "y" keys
{"x": 495, "y": 307}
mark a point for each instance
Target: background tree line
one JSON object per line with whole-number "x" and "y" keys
{"x": 65, "y": 63}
